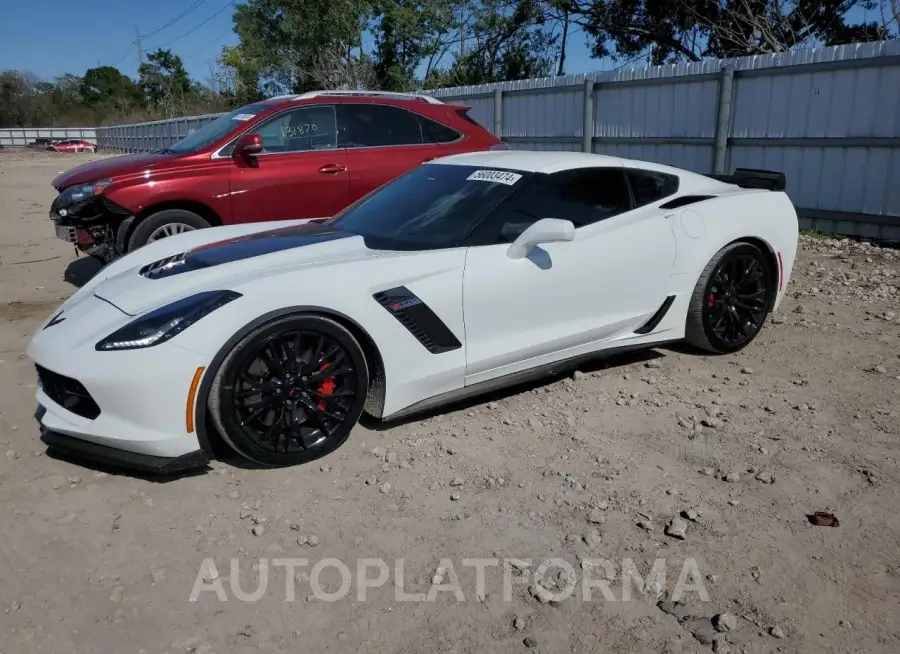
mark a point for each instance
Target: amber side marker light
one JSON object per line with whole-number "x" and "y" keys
{"x": 192, "y": 394}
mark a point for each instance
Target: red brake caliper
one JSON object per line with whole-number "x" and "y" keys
{"x": 325, "y": 388}
{"x": 710, "y": 300}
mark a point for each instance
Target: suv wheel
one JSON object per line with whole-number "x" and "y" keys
{"x": 162, "y": 224}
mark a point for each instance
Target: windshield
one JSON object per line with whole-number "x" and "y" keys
{"x": 212, "y": 132}
{"x": 431, "y": 207}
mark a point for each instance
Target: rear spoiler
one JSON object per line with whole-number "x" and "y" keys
{"x": 770, "y": 180}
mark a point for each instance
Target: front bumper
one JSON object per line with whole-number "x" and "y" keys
{"x": 126, "y": 407}
{"x": 77, "y": 448}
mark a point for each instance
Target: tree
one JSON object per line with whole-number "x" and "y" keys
{"x": 510, "y": 42}
{"x": 165, "y": 82}
{"x": 408, "y": 33}
{"x": 107, "y": 86}
{"x": 679, "y": 30}
{"x": 292, "y": 40}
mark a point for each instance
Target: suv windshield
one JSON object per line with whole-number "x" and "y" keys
{"x": 212, "y": 132}
{"x": 431, "y": 207}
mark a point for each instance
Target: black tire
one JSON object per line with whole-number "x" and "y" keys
{"x": 731, "y": 300}
{"x": 296, "y": 416}
{"x": 146, "y": 227}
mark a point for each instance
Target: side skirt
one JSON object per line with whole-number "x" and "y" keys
{"x": 514, "y": 379}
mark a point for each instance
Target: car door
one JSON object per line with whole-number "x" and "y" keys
{"x": 566, "y": 298}
{"x": 383, "y": 142}
{"x": 301, "y": 172}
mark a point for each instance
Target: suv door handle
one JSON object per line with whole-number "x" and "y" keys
{"x": 331, "y": 169}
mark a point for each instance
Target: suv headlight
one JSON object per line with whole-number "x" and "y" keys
{"x": 81, "y": 192}
{"x": 161, "y": 324}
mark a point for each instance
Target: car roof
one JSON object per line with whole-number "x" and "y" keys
{"x": 373, "y": 97}
{"x": 530, "y": 161}
{"x": 553, "y": 162}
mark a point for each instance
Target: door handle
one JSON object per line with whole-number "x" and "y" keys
{"x": 331, "y": 169}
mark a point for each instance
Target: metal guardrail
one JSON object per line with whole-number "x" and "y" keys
{"x": 22, "y": 136}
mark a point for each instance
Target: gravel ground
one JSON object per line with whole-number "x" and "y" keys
{"x": 709, "y": 464}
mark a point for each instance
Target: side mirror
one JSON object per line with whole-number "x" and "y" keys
{"x": 546, "y": 230}
{"x": 247, "y": 147}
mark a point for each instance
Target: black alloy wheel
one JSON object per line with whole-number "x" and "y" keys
{"x": 732, "y": 300}
{"x": 291, "y": 391}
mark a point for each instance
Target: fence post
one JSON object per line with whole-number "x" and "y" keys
{"x": 587, "y": 128}
{"x": 498, "y": 113}
{"x": 723, "y": 120}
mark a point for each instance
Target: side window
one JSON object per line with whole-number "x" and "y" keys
{"x": 582, "y": 195}
{"x": 650, "y": 186}
{"x": 378, "y": 125}
{"x": 434, "y": 132}
{"x": 301, "y": 129}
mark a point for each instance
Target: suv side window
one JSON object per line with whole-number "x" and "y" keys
{"x": 434, "y": 132}
{"x": 313, "y": 127}
{"x": 378, "y": 125}
{"x": 582, "y": 195}
{"x": 650, "y": 186}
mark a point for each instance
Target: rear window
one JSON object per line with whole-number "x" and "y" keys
{"x": 431, "y": 207}
{"x": 649, "y": 186}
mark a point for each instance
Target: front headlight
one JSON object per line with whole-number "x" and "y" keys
{"x": 161, "y": 324}
{"x": 81, "y": 192}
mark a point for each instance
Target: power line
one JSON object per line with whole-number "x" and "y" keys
{"x": 194, "y": 5}
{"x": 195, "y": 28}
{"x": 213, "y": 42}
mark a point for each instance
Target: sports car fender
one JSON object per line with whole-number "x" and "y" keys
{"x": 414, "y": 370}
{"x": 704, "y": 228}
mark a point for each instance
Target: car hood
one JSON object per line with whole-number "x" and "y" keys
{"x": 95, "y": 170}
{"x": 211, "y": 266}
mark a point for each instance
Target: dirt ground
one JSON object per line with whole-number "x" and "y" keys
{"x": 589, "y": 468}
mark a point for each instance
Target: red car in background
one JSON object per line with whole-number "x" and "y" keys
{"x": 289, "y": 157}
{"x": 72, "y": 145}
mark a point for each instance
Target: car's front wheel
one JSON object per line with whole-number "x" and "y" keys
{"x": 731, "y": 300}
{"x": 162, "y": 224}
{"x": 290, "y": 391}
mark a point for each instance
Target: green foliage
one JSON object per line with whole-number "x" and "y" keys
{"x": 291, "y": 46}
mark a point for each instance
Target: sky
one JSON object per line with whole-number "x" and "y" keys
{"x": 52, "y": 37}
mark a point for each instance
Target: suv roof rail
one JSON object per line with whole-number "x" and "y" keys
{"x": 381, "y": 94}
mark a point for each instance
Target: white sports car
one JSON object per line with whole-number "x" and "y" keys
{"x": 468, "y": 273}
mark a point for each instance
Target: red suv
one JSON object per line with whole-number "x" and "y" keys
{"x": 298, "y": 156}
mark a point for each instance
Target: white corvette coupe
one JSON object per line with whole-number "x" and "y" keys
{"x": 468, "y": 273}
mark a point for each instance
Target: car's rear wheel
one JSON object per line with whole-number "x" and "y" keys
{"x": 731, "y": 300}
{"x": 163, "y": 224}
{"x": 290, "y": 391}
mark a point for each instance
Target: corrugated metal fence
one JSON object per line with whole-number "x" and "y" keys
{"x": 829, "y": 118}
{"x": 154, "y": 135}
{"x": 20, "y": 136}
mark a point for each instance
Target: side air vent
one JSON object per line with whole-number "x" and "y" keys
{"x": 685, "y": 200}
{"x": 163, "y": 267}
{"x": 657, "y": 317}
{"x": 419, "y": 319}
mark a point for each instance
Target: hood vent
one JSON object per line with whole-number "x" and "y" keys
{"x": 164, "y": 267}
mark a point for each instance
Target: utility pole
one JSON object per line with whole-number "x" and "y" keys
{"x": 137, "y": 34}
{"x": 462, "y": 29}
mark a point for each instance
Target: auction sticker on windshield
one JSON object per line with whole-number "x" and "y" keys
{"x": 497, "y": 176}
{"x": 243, "y": 117}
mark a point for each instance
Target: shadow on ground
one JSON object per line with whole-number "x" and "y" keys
{"x": 79, "y": 272}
